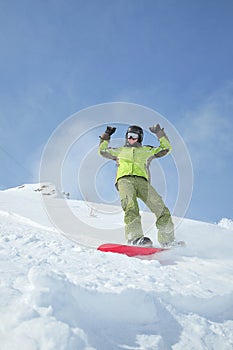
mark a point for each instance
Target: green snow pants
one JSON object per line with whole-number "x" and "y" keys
{"x": 132, "y": 187}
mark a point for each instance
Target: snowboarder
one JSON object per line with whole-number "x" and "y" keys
{"x": 133, "y": 181}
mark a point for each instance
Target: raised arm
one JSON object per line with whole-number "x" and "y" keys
{"x": 104, "y": 150}
{"x": 165, "y": 146}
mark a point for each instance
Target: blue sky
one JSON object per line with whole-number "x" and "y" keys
{"x": 176, "y": 57}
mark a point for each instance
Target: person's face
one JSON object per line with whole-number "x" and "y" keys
{"x": 132, "y": 138}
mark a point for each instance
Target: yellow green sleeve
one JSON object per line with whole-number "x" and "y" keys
{"x": 106, "y": 151}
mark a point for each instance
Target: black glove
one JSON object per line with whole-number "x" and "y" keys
{"x": 110, "y": 130}
{"x": 108, "y": 133}
{"x": 156, "y": 129}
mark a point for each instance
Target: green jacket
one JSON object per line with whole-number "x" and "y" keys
{"x": 134, "y": 160}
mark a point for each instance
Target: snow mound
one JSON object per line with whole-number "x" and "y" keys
{"x": 226, "y": 223}
{"x": 56, "y": 294}
{"x": 45, "y": 189}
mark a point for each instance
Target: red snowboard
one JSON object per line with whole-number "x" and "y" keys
{"x": 129, "y": 250}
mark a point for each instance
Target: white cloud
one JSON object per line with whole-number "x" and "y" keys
{"x": 208, "y": 130}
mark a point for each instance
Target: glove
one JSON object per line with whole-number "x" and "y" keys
{"x": 108, "y": 133}
{"x": 156, "y": 129}
{"x": 110, "y": 130}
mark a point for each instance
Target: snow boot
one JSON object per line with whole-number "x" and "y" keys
{"x": 173, "y": 244}
{"x": 141, "y": 241}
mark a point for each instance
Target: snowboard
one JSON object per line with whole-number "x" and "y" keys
{"x": 129, "y": 250}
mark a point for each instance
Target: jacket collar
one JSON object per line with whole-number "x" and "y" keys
{"x": 136, "y": 144}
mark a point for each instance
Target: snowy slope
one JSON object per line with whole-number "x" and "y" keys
{"x": 56, "y": 294}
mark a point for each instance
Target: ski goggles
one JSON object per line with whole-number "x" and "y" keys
{"x": 132, "y": 135}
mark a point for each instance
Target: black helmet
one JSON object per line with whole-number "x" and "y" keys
{"x": 137, "y": 130}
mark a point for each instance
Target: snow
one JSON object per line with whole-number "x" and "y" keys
{"x": 55, "y": 293}
{"x": 227, "y": 223}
